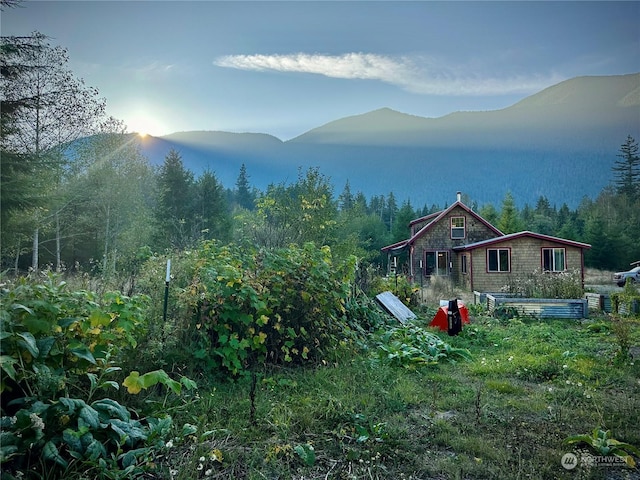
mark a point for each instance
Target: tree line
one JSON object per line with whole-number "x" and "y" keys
{"x": 77, "y": 193}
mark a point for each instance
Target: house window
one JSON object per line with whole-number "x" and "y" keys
{"x": 457, "y": 227}
{"x": 498, "y": 260}
{"x": 437, "y": 263}
{"x": 463, "y": 265}
{"x": 553, "y": 260}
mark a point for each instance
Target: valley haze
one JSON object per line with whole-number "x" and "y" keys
{"x": 559, "y": 143}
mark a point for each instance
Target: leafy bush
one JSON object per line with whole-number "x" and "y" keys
{"x": 59, "y": 350}
{"x": 102, "y": 435}
{"x": 286, "y": 305}
{"x": 546, "y": 285}
{"x": 364, "y": 315}
{"x": 52, "y": 336}
{"x": 410, "y": 346}
{"x": 627, "y": 301}
{"x": 399, "y": 285}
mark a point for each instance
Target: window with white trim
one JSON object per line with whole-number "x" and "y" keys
{"x": 554, "y": 259}
{"x": 464, "y": 267}
{"x": 498, "y": 260}
{"x": 458, "y": 227}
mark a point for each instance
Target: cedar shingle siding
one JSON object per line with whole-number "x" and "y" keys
{"x": 438, "y": 238}
{"x": 433, "y": 233}
{"x": 526, "y": 258}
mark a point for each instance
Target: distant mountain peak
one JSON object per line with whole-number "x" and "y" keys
{"x": 382, "y": 121}
{"x": 582, "y": 107}
{"x": 588, "y": 91}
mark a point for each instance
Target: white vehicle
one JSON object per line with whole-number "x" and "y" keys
{"x": 621, "y": 277}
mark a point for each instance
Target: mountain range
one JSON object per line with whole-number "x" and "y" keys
{"x": 559, "y": 143}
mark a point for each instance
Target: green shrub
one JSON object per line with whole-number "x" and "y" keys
{"x": 52, "y": 336}
{"x": 541, "y": 284}
{"x": 627, "y": 302}
{"x": 410, "y": 346}
{"x": 59, "y": 353}
{"x": 399, "y": 285}
{"x": 277, "y": 306}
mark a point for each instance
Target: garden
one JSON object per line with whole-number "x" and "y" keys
{"x": 278, "y": 364}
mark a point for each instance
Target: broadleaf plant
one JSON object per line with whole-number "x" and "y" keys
{"x": 602, "y": 443}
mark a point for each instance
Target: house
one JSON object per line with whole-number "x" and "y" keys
{"x": 459, "y": 244}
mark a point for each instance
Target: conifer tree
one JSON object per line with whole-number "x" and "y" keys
{"x": 245, "y": 198}
{"x": 360, "y": 204}
{"x": 345, "y": 200}
{"x": 391, "y": 211}
{"x": 627, "y": 169}
{"x": 211, "y": 216}
{"x": 509, "y": 221}
{"x": 401, "y": 227}
{"x": 175, "y": 202}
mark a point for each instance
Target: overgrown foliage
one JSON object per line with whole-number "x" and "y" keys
{"x": 539, "y": 284}
{"x": 59, "y": 359}
{"x": 276, "y": 306}
{"x": 399, "y": 285}
{"x": 508, "y": 410}
{"x": 49, "y": 333}
{"x": 410, "y": 346}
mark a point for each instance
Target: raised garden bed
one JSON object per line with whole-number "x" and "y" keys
{"x": 599, "y": 301}
{"x": 538, "y": 307}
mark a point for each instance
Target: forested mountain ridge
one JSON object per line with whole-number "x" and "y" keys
{"x": 589, "y": 107}
{"x": 560, "y": 143}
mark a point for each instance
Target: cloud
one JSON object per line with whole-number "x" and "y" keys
{"x": 416, "y": 74}
{"x": 151, "y": 69}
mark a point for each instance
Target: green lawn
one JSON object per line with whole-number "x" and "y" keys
{"x": 504, "y": 414}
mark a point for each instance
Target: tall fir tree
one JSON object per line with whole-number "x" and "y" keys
{"x": 509, "y": 221}
{"x": 211, "y": 215}
{"x": 245, "y": 197}
{"x": 627, "y": 169}
{"x": 175, "y": 204}
{"x": 391, "y": 211}
{"x": 400, "y": 229}
{"x": 345, "y": 199}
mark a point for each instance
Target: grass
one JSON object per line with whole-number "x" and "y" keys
{"x": 504, "y": 414}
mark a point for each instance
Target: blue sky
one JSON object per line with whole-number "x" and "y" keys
{"x": 285, "y": 67}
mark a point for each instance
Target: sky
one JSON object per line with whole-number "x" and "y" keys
{"x": 284, "y": 68}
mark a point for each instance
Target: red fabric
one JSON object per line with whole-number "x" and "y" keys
{"x": 440, "y": 319}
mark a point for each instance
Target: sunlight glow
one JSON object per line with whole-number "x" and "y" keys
{"x": 144, "y": 124}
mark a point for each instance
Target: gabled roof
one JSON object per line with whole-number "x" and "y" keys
{"x": 435, "y": 218}
{"x": 398, "y": 246}
{"x": 425, "y": 218}
{"x": 513, "y": 236}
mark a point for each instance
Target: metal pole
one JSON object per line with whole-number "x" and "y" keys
{"x": 166, "y": 289}
{"x": 421, "y": 285}
{"x": 395, "y": 269}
